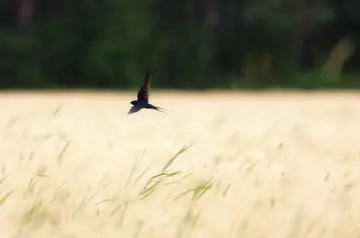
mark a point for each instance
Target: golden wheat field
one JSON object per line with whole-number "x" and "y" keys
{"x": 279, "y": 165}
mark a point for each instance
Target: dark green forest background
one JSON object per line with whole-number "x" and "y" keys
{"x": 187, "y": 44}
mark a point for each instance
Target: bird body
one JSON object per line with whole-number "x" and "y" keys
{"x": 142, "y": 101}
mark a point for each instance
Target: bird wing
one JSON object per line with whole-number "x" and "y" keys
{"x": 144, "y": 91}
{"x": 134, "y": 109}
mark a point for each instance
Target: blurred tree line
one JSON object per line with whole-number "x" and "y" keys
{"x": 186, "y": 43}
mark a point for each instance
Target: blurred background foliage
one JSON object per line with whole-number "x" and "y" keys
{"x": 188, "y": 44}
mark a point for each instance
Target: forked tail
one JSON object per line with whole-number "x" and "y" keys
{"x": 163, "y": 110}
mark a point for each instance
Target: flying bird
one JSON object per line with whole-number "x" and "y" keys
{"x": 143, "y": 97}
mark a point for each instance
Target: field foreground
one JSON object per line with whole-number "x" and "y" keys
{"x": 216, "y": 166}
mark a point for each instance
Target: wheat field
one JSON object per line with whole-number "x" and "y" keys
{"x": 216, "y": 165}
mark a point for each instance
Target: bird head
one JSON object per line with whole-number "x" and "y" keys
{"x": 133, "y": 102}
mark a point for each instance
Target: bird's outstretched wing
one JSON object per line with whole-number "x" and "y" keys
{"x": 134, "y": 109}
{"x": 144, "y": 91}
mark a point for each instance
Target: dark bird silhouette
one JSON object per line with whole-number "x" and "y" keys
{"x": 143, "y": 97}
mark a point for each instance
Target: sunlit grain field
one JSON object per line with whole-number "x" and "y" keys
{"x": 217, "y": 165}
